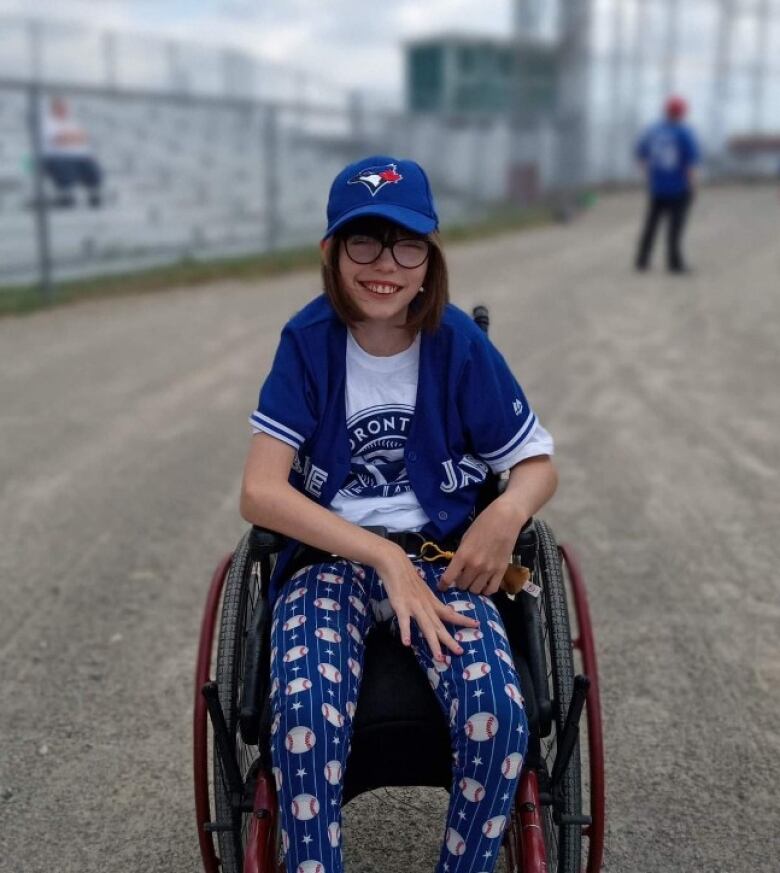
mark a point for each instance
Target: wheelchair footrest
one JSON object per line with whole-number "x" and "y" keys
{"x": 213, "y": 827}
{"x": 568, "y": 819}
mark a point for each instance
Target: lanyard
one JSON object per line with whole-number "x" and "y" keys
{"x": 515, "y": 579}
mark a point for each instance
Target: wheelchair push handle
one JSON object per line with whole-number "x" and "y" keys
{"x": 480, "y": 315}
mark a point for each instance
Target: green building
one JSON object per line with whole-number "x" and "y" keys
{"x": 478, "y": 75}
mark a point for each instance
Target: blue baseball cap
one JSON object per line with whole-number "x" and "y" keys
{"x": 386, "y": 187}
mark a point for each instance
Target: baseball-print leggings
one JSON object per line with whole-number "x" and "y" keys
{"x": 320, "y": 621}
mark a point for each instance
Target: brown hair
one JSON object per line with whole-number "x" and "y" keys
{"x": 425, "y": 311}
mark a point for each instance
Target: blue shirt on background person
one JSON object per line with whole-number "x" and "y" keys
{"x": 669, "y": 149}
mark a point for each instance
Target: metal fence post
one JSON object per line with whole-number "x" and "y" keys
{"x": 39, "y": 201}
{"x": 271, "y": 161}
{"x": 573, "y": 117}
{"x": 356, "y": 111}
{"x": 109, "y": 59}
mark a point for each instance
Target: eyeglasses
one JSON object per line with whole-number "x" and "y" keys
{"x": 408, "y": 253}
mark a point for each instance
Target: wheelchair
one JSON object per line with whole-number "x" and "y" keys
{"x": 400, "y": 735}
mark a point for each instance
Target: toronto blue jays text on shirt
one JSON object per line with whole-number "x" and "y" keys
{"x": 377, "y": 438}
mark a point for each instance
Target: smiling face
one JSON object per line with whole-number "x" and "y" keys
{"x": 381, "y": 290}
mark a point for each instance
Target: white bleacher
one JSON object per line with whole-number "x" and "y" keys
{"x": 182, "y": 179}
{"x": 190, "y": 178}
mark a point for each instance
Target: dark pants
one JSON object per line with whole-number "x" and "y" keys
{"x": 676, "y": 211}
{"x": 66, "y": 172}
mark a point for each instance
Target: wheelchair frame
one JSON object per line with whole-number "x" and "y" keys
{"x": 527, "y": 829}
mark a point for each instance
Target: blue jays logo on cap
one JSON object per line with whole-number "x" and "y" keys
{"x": 382, "y": 186}
{"x": 375, "y": 178}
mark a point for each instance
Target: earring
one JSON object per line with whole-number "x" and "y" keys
{"x": 421, "y": 290}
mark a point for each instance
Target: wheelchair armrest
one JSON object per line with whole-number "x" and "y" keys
{"x": 266, "y": 542}
{"x": 526, "y": 620}
{"x": 525, "y": 545}
{"x": 533, "y": 647}
{"x": 263, "y": 543}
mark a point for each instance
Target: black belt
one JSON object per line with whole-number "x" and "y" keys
{"x": 410, "y": 541}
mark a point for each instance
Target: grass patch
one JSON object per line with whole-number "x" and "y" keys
{"x": 498, "y": 222}
{"x": 21, "y": 299}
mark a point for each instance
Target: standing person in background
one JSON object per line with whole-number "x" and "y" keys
{"x": 67, "y": 156}
{"x": 668, "y": 153}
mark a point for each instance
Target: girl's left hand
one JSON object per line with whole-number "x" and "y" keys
{"x": 485, "y": 551}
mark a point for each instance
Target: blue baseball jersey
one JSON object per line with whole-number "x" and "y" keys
{"x": 471, "y": 415}
{"x": 669, "y": 149}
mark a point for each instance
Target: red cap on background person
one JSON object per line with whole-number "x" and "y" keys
{"x": 675, "y": 108}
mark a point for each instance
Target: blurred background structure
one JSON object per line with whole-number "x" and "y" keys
{"x": 207, "y": 153}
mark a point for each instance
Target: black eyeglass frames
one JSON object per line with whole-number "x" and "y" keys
{"x": 408, "y": 253}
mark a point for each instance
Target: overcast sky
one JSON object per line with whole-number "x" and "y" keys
{"x": 357, "y": 44}
{"x": 354, "y": 42}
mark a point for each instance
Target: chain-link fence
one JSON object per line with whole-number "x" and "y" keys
{"x": 185, "y": 176}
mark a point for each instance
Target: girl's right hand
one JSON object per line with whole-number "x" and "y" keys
{"x": 411, "y": 598}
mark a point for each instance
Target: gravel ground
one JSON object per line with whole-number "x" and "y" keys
{"x": 123, "y": 436}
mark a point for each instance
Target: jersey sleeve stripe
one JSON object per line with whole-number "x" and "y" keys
{"x": 539, "y": 442}
{"x": 274, "y": 428}
{"x": 261, "y": 428}
{"x": 524, "y": 432}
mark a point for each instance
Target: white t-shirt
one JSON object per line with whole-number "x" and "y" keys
{"x": 380, "y": 398}
{"x": 381, "y": 394}
{"x": 64, "y": 137}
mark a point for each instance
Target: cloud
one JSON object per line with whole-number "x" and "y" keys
{"x": 350, "y": 42}
{"x": 98, "y": 13}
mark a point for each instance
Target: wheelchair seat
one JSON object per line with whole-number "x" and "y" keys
{"x": 401, "y": 735}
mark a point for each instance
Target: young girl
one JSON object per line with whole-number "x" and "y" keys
{"x": 387, "y": 406}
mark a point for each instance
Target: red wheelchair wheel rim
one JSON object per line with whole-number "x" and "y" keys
{"x": 200, "y": 716}
{"x": 587, "y": 647}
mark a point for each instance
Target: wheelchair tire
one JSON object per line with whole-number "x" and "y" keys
{"x": 563, "y": 841}
{"x": 241, "y": 592}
